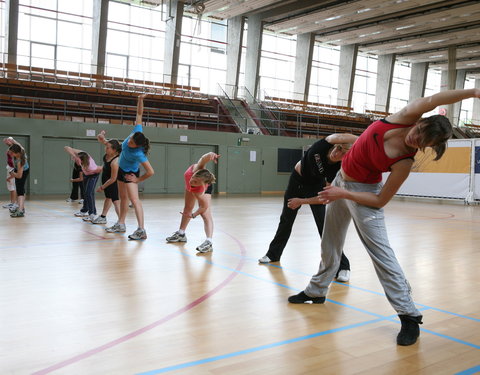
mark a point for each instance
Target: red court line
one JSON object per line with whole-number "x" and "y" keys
{"x": 155, "y": 324}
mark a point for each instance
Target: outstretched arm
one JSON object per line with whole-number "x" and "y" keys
{"x": 210, "y": 156}
{"x": 140, "y": 108}
{"x": 73, "y": 152}
{"x": 340, "y": 138}
{"x": 101, "y": 137}
{"x": 399, "y": 173}
{"x": 414, "y": 110}
{"x": 10, "y": 141}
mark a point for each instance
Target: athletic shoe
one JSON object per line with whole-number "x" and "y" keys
{"x": 343, "y": 276}
{"x": 116, "y": 228}
{"x": 410, "y": 330}
{"x": 264, "y": 259}
{"x": 80, "y": 214}
{"x": 69, "y": 200}
{"x": 17, "y": 213}
{"x": 177, "y": 237}
{"x": 9, "y": 205}
{"x": 139, "y": 234}
{"x": 205, "y": 247}
{"x": 90, "y": 217}
{"x": 302, "y": 298}
{"x": 80, "y": 201}
{"x": 13, "y": 208}
{"x": 99, "y": 220}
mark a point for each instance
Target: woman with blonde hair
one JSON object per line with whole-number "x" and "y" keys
{"x": 198, "y": 188}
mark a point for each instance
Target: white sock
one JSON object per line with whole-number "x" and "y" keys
{"x": 209, "y": 239}
{"x": 181, "y": 231}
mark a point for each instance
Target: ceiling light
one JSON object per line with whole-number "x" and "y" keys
{"x": 330, "y": 19}
{"x": 434, "y": 57}
{"x": 404, "y": 27}
{"x": 436, "y": 41}
{"x": 363, "y": 10}
{"x": 405, "y": 46}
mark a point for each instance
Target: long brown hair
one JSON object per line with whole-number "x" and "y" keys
{"x": 17, "y": 149}
{"x": 84, "y": 159}
{"x": 436, "y": 130}
{"x": 141, "y": 141}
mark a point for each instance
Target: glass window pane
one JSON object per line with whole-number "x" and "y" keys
{"x": 43, "y": 56}
{"x": 43, "y": 30}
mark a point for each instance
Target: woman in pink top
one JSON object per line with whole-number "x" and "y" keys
{"x": 91, "y": 171}
{"x": 198, "y": 188}
{"x": 10, "y": 180}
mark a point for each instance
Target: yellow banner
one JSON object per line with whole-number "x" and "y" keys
{"x": 455, "y": 160}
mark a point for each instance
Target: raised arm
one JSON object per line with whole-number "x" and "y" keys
{"x": 414, "y": 110}
{"x": 10, "y": 141}
{"x": 73, "y": 152}
{"x": 101, "y": 137}
{"x": 140, "y": 108}
{"x": 340, "y": 138}
{"x": 210, "y": 156}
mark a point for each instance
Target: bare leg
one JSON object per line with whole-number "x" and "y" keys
{"x": 122, "y": 190}
{"x": 107, "y": 203}
{"x": 116, "y": 205}
{"x": 21, "y": 202}
{"x": 132, "y": 190}
{"x": 13, "y": 196}
{"x": 208, "y": 219}
{"x": 187, "y": 209}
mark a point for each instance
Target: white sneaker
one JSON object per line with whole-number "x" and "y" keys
{"x": 8, "y": 205}
{"x": 264, "y": 259}
{"x": 205, "y": 247}
{"x": 80, "y": 214}
{"x": 90, "y": 217}
{"x": 99, "y": 220}
{"x": 343, "y": 276}
{"x": 69, "y": 200}
{"x": 116, "y": 228}
{"x": 80, "y": 201}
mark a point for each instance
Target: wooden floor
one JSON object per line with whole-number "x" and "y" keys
{"x": 76, "y": 300}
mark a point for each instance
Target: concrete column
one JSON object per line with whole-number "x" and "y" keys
{"x": 173, "y": 31}
{"x": 234, "y": 53}
{"x": 303, "y": 65}
{"x": 461, "y": 75}
{"x": 476, "y": 106}
{"x": 99, "y": 36}
{"x": 254, "y": 49}
{"x": 346, "y": 76}
{"x": 418, "y": 80}
{"x": 386, "y": 65}
{"x": 451, "y": 79}
{"x": 444, "y": 80}
{"x": 12, "y": 30}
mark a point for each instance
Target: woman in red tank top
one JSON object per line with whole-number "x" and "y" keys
{"x": 357, "y": 194}
{"x": 198, "y": 188}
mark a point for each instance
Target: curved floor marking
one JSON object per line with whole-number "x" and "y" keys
{"x": 155, "y": 324}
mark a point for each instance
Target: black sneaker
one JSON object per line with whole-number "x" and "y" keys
{"x": 302, "y": 298}
{"x": 410, "y": 330}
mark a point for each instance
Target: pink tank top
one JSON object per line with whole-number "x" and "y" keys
{"x": 193, "y": 189}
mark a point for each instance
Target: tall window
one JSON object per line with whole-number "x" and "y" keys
{"x": 466, "y": 113}
{"x": 324, "y": 74}
{"x": 433, "y": 85}
{"x": 400, "y": 86}
{"x": 135, "y": 42}
{"x": 203, "y": 54}
{"x": 365, "y": 83}
{"x": 3, "y": 32}
{"x": 55, "y": 34}
{"x": 277, "y": 65}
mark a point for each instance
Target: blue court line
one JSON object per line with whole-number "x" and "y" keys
{"x": 381, "y": 317}
{"x": 256, "y": 349}
{"x": 292, "y": 270}
{"x": 470, "y": 371}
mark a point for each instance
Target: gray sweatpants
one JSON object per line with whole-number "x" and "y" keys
{"x": 370, "y": 225}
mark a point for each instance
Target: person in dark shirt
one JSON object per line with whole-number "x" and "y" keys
{"x": 316, "y": 170}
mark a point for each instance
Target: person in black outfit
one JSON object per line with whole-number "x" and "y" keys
{"x": 109, "y": 186}
{"x": 77, "y": 183}
{"x": 316, "y": 170}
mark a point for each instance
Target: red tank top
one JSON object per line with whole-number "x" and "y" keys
{"x": 193, "y": 189}
{"x": 366, "y": 160}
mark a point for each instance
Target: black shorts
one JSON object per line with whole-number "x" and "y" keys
{"x": 111, "y": 192}
{"x": 20, "y": 182}
{"x": 121, "y": 175}
{"x": 209, "y": 189}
